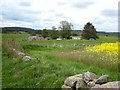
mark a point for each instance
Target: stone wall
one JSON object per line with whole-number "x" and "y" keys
{"x": 22, "y": 55}
{"x": 90, "y": 81}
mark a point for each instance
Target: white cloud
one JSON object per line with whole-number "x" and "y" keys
{"x": 41, "y": 14}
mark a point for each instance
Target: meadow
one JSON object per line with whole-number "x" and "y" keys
{"x": 55, "y": 61}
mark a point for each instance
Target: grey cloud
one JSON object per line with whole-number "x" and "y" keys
{"x": 102, "y": 24}
{"x": 82, "y": 4}
{"x": 25, "y": 3}
{"x": 62, "y": 3}
{"x": 60, "y": 15}
{"x": 37, "y": 25}
{"x": 20, "y": 15}
{"x": 77, "y": 4}
{"x": 98, "y": 21}
{"x": 52, "y": 10}
{"x": 48, "y": 20}
{"x": 18, "y": 18}
{"x": 110, "y": 13}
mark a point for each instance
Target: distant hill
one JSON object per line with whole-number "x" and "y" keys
{"x": 16, "y": 29}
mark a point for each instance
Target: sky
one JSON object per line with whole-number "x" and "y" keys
{"x": 41, "y": 14}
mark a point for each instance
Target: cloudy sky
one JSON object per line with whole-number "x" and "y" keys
{"x": 40, "y": 14}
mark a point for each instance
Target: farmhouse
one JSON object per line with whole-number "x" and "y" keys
{"x": 59, "y": 39}
{"x": 76, "y": 38}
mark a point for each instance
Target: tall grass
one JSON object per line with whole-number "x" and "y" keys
{"x": 101, "y": 60}
{"x": 11, "y": 44}
{"x": 8, "y": 46}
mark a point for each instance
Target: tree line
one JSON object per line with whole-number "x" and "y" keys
{"x": 65, "y": 28}
{"x": 89, "y": 31}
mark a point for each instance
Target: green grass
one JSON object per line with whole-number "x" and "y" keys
{"x": 19, "y": 37}
{"x": 48, "y": 70}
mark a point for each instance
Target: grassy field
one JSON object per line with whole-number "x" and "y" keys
{"x": 55, "y": 61}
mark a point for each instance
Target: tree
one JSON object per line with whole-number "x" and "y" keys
{"x": 32, "y": 33}
{"x": 66, "y": 28}
{"x": 45, "y": 33}
{"x": 53, "y": 28}
{"x": 89, "y": 31}
{"x": 54, "y": 34}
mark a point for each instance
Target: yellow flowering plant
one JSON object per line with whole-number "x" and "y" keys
{"x": 111, "y": 50}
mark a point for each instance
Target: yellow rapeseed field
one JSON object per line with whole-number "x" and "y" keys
{"x": 110, "y": 49}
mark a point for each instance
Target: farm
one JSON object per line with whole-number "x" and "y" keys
{"x": 55, "y": 60}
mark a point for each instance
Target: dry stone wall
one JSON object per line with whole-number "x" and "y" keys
{"x": 90, "y": 81}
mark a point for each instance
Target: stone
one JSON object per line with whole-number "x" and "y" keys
{"x": 89, "y": 76}
{"x": 27, "y": 58}
{"x": 90, "y": 81}
{"x": 21, "y": 55}
{"x": 78, "y": 75}
{"x": 18, "y": 53}
{"x": 103, "y": 79}
{"x": 74, "y": 81}
{"x": 79, "y": 83}
{"x": 115, "y": 84}
{"x": 91, "y": 84}
{"x": 14, "y": 49}
{"x": 96, "y": 87}
{"x": 70, "y": 81}
{"x": 65, "y": 87}
{"x": 108, "y": 86}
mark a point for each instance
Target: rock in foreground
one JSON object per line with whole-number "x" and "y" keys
{"x": 90, "y": 81}
{"x": 108, "y": 86}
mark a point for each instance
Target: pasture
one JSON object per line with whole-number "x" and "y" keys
{"x": 55, "y": 60}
